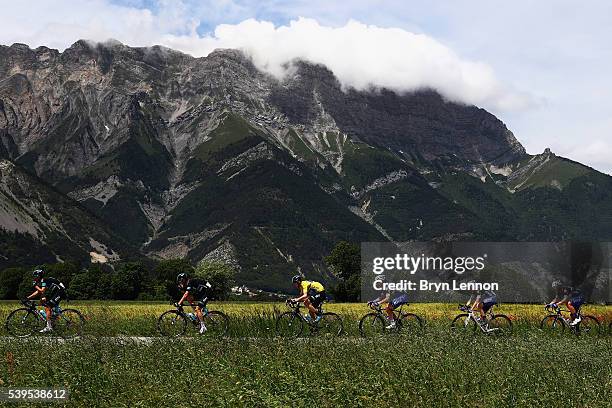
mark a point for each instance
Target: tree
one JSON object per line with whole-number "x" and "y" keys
{"x": 345, "y": 262}
{"x": 128, "y": 281}
{"x": 165, "y": 274}
{"x": 10, "y": 279}
{"x": 83, "y": 285}
{"x": 220, "y": 275}
{"x": 62, "y": 271}
{"x": 26, "y": 287}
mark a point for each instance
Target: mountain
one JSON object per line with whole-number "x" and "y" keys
{"x": 212, "y": 158}
{"x": 39, "y": 224}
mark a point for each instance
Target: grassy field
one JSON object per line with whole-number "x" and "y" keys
{"x": 435, "y": 368}
{"x": 257, "y": 319}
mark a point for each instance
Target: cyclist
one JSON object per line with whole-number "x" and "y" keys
{"x": 311, "y": 293}
{"x": 569, "y": 296}
{"x": 51, "y": 292}
{"x": 194, "y": 290}
{"x": 392, "y": 300}
{"x": 483, "y": 301}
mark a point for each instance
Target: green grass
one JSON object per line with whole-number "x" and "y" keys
{"x": 436, "y": 368}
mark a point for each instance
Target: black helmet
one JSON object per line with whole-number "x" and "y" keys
{"x": 181, "y": 276}
{"x": 38, "y": 273}
{"x": 297, "y": 279}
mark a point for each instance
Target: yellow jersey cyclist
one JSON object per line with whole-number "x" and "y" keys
{"x": 194, "y": 290}
{"x": 570, "y": 297}
{"x": 312, "y": 293}
{"x": 51, "y": 292}
{"x": 393, "y": 300}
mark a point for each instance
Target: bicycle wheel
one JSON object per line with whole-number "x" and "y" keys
{"x": 69, "y": 323}
{"x": 553, "y": 324}
{"x": 588, "y": 326}
{"x": 330, "y": 325}
{"x": 499, "y": 325}
{"x": 372, "y": 325}
{"x": 23, "y": 323}
{"x": 289, "y": 324}
{"x": 217, "y": 324}
{"x": 463, "y": 324}
{"x": 172, "y": 324}
{"x": 409, "y": 323}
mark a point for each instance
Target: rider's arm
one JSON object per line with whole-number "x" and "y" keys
{"x": 563, "y": 301}
{"x": 469, "y": 301}
{"x": 476, "y": 302}
{"x": 301, "y": 298}
{"x": 37, "y": 290}
{"x": 384, "y": 299}
{"x": 180, "y": 302}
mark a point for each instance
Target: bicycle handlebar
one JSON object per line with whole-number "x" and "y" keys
{"x": 292, "y": 304}
{"x": 28, "y": 302}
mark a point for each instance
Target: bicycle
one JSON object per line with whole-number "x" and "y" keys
{"x": 292, "y": 323}
{"x": 376, "y": 322}
{"x": 28, "y": 320}
{"x": 556, "y": 322}
{"x": 497, "y": 324}
{"x": 173, "y": 323}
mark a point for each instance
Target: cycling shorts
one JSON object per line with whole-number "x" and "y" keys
{"x": 577, "y": 301}
{"x": 54, "y": 299}
{"x": 398, "y": 301}
{"x": 488, "y": 303}
{"x": 316, "y": 299}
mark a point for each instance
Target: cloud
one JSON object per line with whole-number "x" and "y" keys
{"x": 596, "y": 153}
{"x": 360, "y": 55}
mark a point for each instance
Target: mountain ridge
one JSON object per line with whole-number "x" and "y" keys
{"x": 193, "y": 157}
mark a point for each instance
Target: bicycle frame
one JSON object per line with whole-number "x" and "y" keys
{"x": 382, "y": 312}
{"x": 181, "y": 309}
{"x": 32, "y": 307}
{"x": 296, "y": 306}
{"x": 559, "y": 312}
{"x": 482, "y": 324}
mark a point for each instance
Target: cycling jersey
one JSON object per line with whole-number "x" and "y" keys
{"x": 55, "y": 291}
{"x": 311, "y": 288}
{"x": 575, "y": 296}
{"x": 396, "y": 298}
{"x": 568, "y": 291}
{"x": 197, "y": 288}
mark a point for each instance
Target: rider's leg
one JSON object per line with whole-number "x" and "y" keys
{"x": 478, "y": 307}
{"x": 47, "y": 307}
{"x": 200, "y": 315}
{"x": 571, "y": 309}
{"x": 389, "y": 311}
{"x": 311, "y": 309}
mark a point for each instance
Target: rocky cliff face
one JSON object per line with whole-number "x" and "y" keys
{"x": 203, "y": 157}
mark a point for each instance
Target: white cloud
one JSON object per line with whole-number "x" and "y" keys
{"x": 360, "y": 55}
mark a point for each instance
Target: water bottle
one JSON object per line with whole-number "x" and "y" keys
{"x": 192, "y": 316}
{"x": 43, "y": 314}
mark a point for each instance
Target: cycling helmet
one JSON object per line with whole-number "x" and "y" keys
{"x": 556, "y": 283}
{"x": 38, "y": 273}
{"x": 380, "y": 278}
{"x": 181, "y": 276}
{"x": 297, "y": 279}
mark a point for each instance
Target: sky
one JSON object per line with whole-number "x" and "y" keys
{"x": 540, "y": 66}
